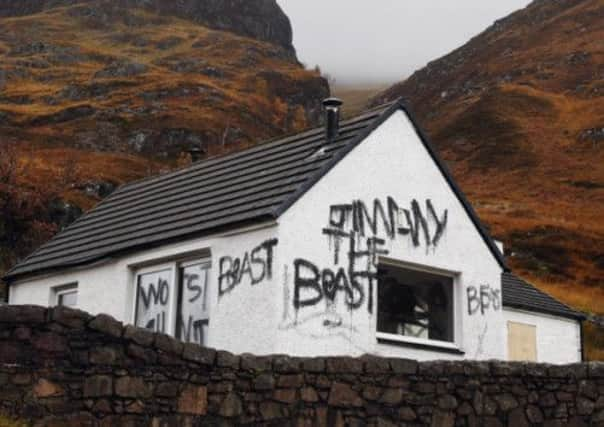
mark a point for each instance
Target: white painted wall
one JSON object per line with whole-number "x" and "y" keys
{"x": 261, "y": 318}
{"x": 392, "y": 161}
{"x": 240, "y": 320}
{"x": 558, "y": 339}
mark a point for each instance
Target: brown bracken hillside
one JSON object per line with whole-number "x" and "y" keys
{"x": 97, "y": 93}
{"x": 518, "y": 113}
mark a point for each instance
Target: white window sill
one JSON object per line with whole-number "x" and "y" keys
{"x": 424, "y": 344}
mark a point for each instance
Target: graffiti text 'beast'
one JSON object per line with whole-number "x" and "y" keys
{"x": 482, "y": 299}
{"x": 312, "y": 285}
{"x": 256, "y": 264}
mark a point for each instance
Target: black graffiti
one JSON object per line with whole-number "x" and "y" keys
{"x": 313, "y": 285}
{"x": 192, "y": 330}
{"x": 190, "y": 281}
{"x": 482, "y": 299}
{"x": 158, "y": 323}
{"x": 157, "y": 296}
{"x": 356, "y": 218}
{"x": 257, "y": 265}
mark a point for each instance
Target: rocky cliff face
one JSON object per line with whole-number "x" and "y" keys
{"x": 258, "y": 19}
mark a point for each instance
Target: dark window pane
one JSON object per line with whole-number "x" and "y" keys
{"x": 415, "y": 304}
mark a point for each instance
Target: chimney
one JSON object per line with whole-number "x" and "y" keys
{"x": 196, "y": 152}
{"x": 332, "y": 117}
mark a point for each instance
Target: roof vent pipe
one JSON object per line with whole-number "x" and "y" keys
{"x": 196, "y": 153}
{"x": 332, "y": 117}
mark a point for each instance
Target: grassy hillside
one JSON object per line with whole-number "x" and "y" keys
{"x": 518, "y": 112}
{"x": 95, "y": 94}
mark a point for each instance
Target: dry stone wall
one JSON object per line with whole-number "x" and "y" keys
{"x": 62, "y": 367}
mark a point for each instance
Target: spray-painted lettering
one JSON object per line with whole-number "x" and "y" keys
{"x": 256, "y": 265}
{"x": 482, "y": 299}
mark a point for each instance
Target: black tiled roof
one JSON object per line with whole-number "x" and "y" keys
{"x": 256, "y": 184}
{"x": 522, "y": 295}
{"x": 224, "y": 191}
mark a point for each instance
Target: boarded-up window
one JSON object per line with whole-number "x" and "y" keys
{"x": 154, "y": 293}
{"x": 173, "y": 299}
{"x": 193, "y": 315}
{"x": 522, "y": 342}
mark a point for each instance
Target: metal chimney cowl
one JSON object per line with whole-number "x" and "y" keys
{"x": 332, "y": 117}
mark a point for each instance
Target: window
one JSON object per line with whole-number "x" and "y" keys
{"x": 522, "y": 342}
{"x": 414, "y": 306}
{"x": 66, "y": 296}
{"x": 172, "y": 299}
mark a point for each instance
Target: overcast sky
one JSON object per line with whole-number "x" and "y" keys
{"x": 386, "y": 40}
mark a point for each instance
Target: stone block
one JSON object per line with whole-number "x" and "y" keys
{"x": 107, "y": 325}
{"x": 264, "y": 382}
{"x": 10, "y": 353}
{"x": 286, "y": 364}
{"x": 406, "y": 414}
{"x": 534, "y": 414}
{"x": 98, "y": 386}
{"x": 168, "y": 344}
{"x": 314, "y": 365}
{"x": 344, "y": 365}
{"x": 44, "y": 388}
{"x": 585, "y": 406}
{"x": 375, "y": 365}
{"x": 104, "y": 355}
{"x": 285, "y": 395}
{"x": 447, "y": 402}
{"x": 70, "y": 317}
{"x": 50, "y": 342}
{"x": 143, "y": 353}
{"x": 291, "y": 381}
{"x": 231, "y": 406}
{"x": 167, "y": 389}
{"x": 196, "y": 353}
{"x": 272, "y": 410}
{"x": 391, "y": 396}
{"x": 403, "y": 366}
{"x": 588, "y": 388}
{"x": 22, "y": 314}
{"x": 507, "y": 369}
{"x": 517, "y": 418}
{"x": 21, "y": 378}
{"x": 193, "y": 400}
{"x": 506, "y": 402}
{"x": 23, "y": 333}
{"x": 443, "y": 419}
{"x": 256, "y": 363}
{"x": 140, "y": 336}
{"x": 342, "y": 395}
{"x": 596, "y": 370}
{"x": 133, "y": 387}
{"x": 224, "y": 359}
{"x": 309, "y": 395}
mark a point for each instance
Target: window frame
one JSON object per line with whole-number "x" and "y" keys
{"x": 58, "y": 291}
{"x": 156, "y": 268}
{"x": 206, "y": 262}
{"x": 453, "y": 346}
{"x": 175, "y": 266}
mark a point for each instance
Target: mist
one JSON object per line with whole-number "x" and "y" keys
{"x": 383, "y": 41}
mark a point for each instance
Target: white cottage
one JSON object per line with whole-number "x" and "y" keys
{"x": 342, "y": 240}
